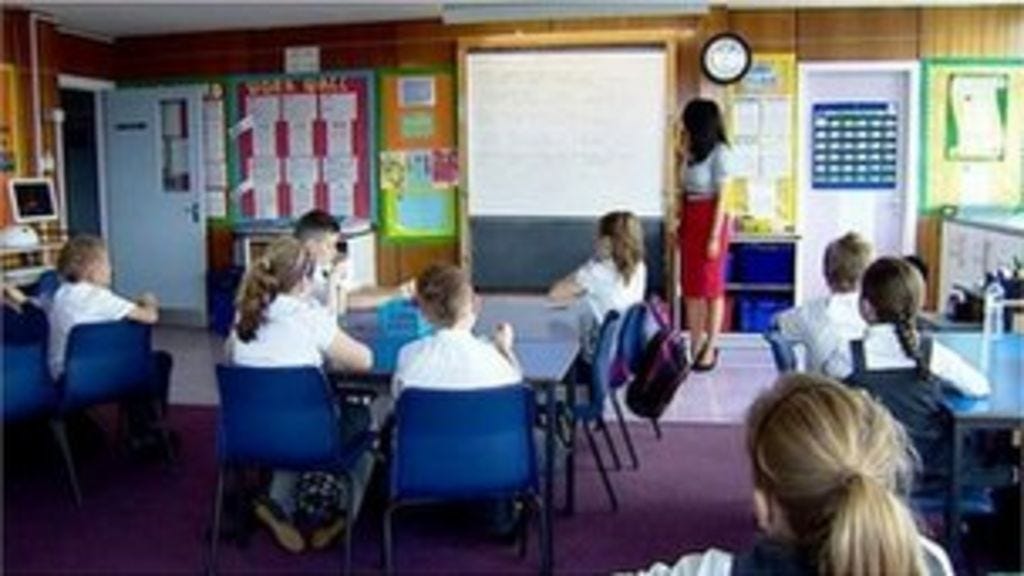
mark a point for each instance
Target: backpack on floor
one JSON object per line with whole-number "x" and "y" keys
{"x": 663, "y": 368}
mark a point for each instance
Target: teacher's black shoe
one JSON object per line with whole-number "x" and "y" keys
{"x": 698, "y": 367}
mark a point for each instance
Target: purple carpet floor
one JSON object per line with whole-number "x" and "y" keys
{"x": 692, "y": 491}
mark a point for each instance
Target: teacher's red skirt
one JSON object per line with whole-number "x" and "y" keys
{"x": 702, "y": 277}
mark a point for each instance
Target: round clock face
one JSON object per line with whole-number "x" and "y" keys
{"x": 725, "y": 58}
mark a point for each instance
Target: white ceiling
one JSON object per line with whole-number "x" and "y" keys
{"x": 146, "y": 17}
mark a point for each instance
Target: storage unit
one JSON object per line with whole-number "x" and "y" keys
{"x": 761, "y": 280}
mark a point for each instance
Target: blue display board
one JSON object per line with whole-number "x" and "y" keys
{"x": 855, "y": 146}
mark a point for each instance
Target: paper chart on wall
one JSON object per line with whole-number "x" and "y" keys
{"x": 264, "y": 171}
{"x": 266, "y": 202}
{"x": 299, "y": 114}
{"x": 340, "y": 197}
{"x": 761, "y": 198}
{"x": 745, "y": 160}
{"x": 216, "y": 176}
{"x": 978, "y": 123}
{"x": 746, "y": 114}
{"x": 213, "y": 130}
{"x": 774, "y": 162}
{"x": 216, "y": 205}
{"x": 775, "y": 117}
{"x": 265, "y": 112}
{"x": 302, "y": 175}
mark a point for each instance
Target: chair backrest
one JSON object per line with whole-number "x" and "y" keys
{"x": 28, "y": 390}
{"x": 632, "y": 341}
{"x": 604, "y": 360}
{"x": 783, "y": 351}
{"x": 464, "y": 444}
{"x": 26, "y": 326}
{"x": 280, "y": 417}
{"x": 107, "y": 361}
{"x": 46, "y": 288}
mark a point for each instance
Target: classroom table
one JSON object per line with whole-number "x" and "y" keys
{"x": 546, "y": 343}
{"x": 1003, "y": 409}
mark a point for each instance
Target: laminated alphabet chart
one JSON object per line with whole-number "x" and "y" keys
{"x": 303, "y": 142}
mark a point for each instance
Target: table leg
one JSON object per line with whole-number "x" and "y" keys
{"x": 953, "y": 505}
{"x": 549, "y": 476}
{"x": 570, "y": 460}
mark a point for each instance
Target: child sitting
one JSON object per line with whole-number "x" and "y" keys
{"x": 333, "y": 286}
{"x": 826, "y": 325}
{"x": 453, "y": 358}
{"x": 830, "y": 468}
{"x": 614, "y": 279}
{"x": 900, "y": 368}
{"x": 85, "y": 297}
{"x": 278, "y": 326}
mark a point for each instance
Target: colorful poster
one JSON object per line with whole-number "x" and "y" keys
{"x": 419, "y": 169}
{"x": 973, "y": 133}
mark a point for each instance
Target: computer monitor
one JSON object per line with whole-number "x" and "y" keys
{"x": 32, "y": 200}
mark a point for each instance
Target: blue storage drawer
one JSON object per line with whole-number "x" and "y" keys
{"x": 754, "y": 312}
{"x": 763, "y": 263}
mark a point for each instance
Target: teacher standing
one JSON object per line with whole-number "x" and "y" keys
{"x": 704, "y": 227}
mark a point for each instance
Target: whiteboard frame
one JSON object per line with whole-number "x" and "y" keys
{"x": 662, "y": 39}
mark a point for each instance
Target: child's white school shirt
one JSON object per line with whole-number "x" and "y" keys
{"x": 321, "y": 284}
{"x": 882, "y": 351}
{"x": 296, "y": 332}
{"x": 605, "y": 288}
{"x": 823, "y": 325}
{"x": 452, "y": 359}
{"x": 80, "y": 303}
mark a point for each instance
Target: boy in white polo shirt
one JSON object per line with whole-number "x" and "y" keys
{"x": 827, "y": 325}
{"x": 453, "y": 358}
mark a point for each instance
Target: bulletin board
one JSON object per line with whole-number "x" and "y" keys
{"x": 419, "y": 170}
{"x": 12, "y": 160}
{"x": 761, "y": 116}
{"x": 973, "y": 133}
{"x": 302, "y": 142}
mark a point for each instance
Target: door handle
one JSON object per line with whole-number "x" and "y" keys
{"x": 193, "y": 210}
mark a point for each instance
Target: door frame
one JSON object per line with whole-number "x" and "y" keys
{"x": 912, "y": 69}
{"x": 97, "y": 86}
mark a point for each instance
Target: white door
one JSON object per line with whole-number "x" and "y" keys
{"x": 886, "y": 217}
{"x": 157, "y": 233}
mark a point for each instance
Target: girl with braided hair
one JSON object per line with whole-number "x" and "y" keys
{"x": 905, "y": 371}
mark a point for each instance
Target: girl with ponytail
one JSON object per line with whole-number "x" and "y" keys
{"x": 615, "y": 278}
{"x": 278, "y": 325}
{"x": 830, "y": 466}
{"x": 902, "y": 369}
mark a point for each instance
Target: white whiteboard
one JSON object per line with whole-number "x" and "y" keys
{"x": 566, "y": 132}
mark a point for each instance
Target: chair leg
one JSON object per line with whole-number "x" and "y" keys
{"x": 625, "y": 432}
{"x": 524, "y": 525}
{"x": 389, "y": 567}
{"x": 601, "y": 468}
{"x": 657, "y": 428}
{"x": 350, "y": 518}
{"x": 218, "y": 506}
{"x": 60, "y": 434}
{"x": 544, "y": 530}
{"x": 165, "y": 434}
{"x": 616, "y": 463}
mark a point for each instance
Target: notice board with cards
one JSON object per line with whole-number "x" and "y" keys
{"x": 419, "y": 171}
{"x": 973, "y": 133}
{"x": 302, "y": 142}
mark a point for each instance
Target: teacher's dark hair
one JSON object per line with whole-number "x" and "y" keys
{"x": 702, "y": 120}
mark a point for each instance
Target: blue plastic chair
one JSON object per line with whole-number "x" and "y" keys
{"x": 591, "y": 412}
{"x": 30, "y": 393}
{"x": 283, "y": 418}
{"x": 464, "y": 445}
{"x": 783, "y": 352}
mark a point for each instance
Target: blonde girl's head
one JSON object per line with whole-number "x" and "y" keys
{"x": 829, "y": 466}
{"x": 621, "y": 236}
{"x": 283, "y": 268}
{"x": 84, "y": 259}
{"x": 891, "y": 292}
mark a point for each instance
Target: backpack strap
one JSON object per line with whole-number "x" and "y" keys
{"x": 857, "y": 352}
{"x": 926, "y": 348}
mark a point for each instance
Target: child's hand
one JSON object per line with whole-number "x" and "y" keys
{"x": 339, "y": 273}
{"x": 407, "y": 289}
{"x": 504, "y": 336}
{"x": 713, "y": 249}
{"x": 149, "y": 300}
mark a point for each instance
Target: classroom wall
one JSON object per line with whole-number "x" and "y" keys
{"x": 823, "y": 34}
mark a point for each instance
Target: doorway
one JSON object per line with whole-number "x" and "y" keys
{"x": 81, "y": 162}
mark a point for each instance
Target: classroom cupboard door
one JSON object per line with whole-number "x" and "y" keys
{"x": 157, "y": 224}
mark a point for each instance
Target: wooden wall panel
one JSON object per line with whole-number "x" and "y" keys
{"x": 851, "y": 34}
{"x": 84, "y": 57}
{"x": 766, "y": 30}
{"x": 986, "y": 31}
